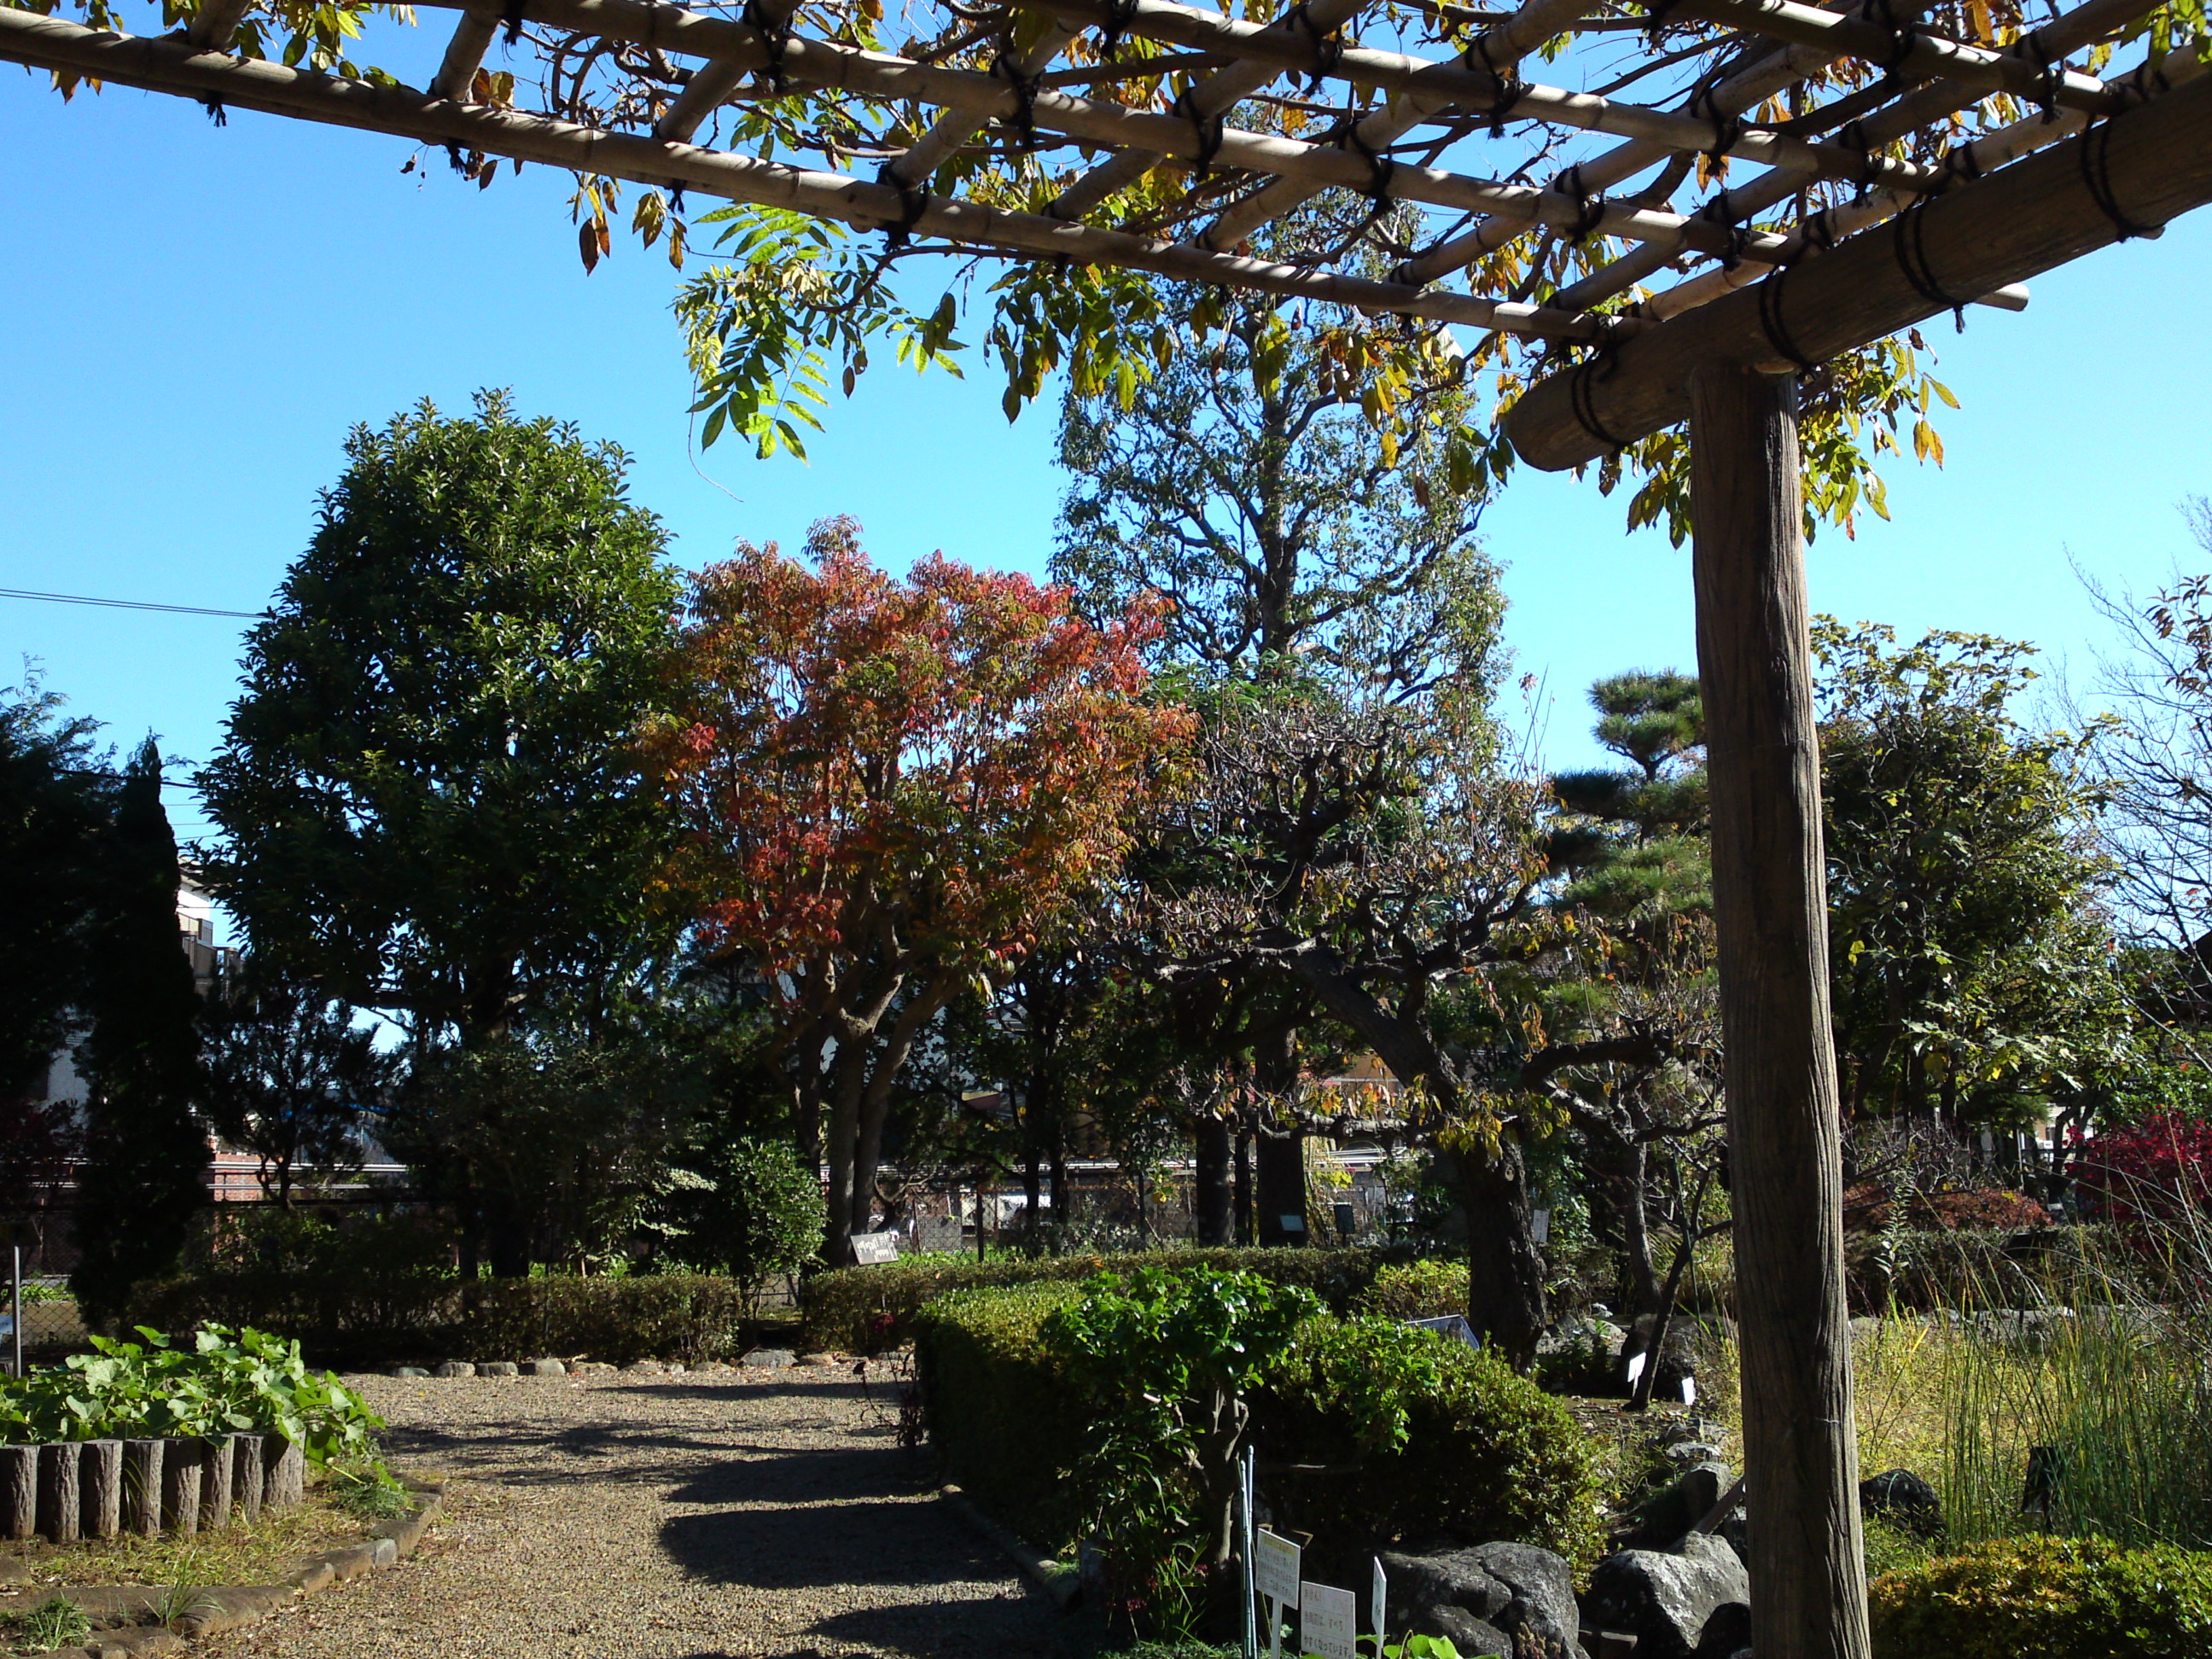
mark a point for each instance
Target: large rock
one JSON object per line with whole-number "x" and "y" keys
{"x": 1496, "y": 1598}
{"x": 1902, "y": 1499}
{"x": 1728, "y": 1633}
{"x": 1666, "y": 1598}
{"x": 1662, "y": 1518}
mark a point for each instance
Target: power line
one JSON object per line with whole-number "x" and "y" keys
{"x": 122, "y": 604}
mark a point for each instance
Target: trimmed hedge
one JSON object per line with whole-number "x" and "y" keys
{"x": 1487, "y": 1455}
{"x": 1415, "y": 1290}
{"x": 2051, "y": 1597}
{"x": 864, "y": 1309}
{"x": 364, "y": 1317}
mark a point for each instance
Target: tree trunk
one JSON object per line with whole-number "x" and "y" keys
{"x": 1247, "y": 1230}
{"x": 1282, "y": 1186}
{"x": 1213, "y": 1198}
{"x": 1032, "y": 1197}
{"x": 1770, "y": 907}
{"x": 1506, "y": 1301}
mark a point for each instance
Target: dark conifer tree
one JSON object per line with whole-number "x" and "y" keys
{"x": 146, "y": 1154}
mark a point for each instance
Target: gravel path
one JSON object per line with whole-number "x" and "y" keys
{"x": 766, "y": 1514}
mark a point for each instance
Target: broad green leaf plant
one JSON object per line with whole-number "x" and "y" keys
{"x": 224, "y": 1382}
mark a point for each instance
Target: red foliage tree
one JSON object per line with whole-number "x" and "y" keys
{"x": 890, "y": 791}
{"x": 2152, "y": 1170}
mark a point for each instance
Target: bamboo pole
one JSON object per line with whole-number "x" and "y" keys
{"x": 1500, "y": 49}
{"x": 1475, "y": 90}
{"x": 1769, "y": 915}
{"x": 2060, "y": 38}
{"x": 1915, "y": 55}
{"x": 1218, "y": 92}
{"x": 217, "y": 22}
{"x": 2155, "y": 162}
{"x": 464, "y": 54}
{"x": 167, "y": 65}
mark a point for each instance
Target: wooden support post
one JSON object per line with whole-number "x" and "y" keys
{"x": 142, "y": 1487}
{"x": 103, "y": 1488}
{"x": 1770, "y": 907}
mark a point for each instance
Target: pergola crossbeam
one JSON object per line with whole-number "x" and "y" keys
{"x": 171, "y": 65}
{"x": 2155, "y": 161}
{"x": 1500, "y": 49}
{"x": 1455, "y": 85}
{"x": 2062, "y": 36}
{"x": 1910, "y": 52}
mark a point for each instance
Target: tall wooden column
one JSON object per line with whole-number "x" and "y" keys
{"x": 1770, "y": 904}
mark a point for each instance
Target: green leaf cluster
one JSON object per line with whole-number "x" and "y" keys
{"x": 2056, "y": 1598}
{"x": 228, "y": 1382}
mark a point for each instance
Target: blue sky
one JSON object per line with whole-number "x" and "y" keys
{"x": 200, "y": 314}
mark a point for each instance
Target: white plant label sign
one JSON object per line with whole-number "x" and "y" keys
{"x": 1380, "y": 1606}
{"x": 1328, "y": 1622}
{"x": 1275, "y": 1566}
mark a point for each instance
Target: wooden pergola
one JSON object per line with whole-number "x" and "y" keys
{"x": 1814, "y": 178}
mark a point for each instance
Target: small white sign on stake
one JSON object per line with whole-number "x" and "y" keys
{"x": 1275, "y": 1566}
{"x": 1328, "y": 1622}
{"x": 1381, "y": 1606}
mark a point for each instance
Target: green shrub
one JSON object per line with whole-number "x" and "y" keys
{"x": 1486, "y": 1454}
{"x": 1415, "y": 1290}
{"x": 746, "y": 1207}
{"x": 368, "y": 1317}
{"x": 1421, "y": 1436}
{"x": 226, "y": 1382}
{"x": 2052, "y": 1598}
{"x": 1002, "y": 1412}
{"x": 862, "y": 1309}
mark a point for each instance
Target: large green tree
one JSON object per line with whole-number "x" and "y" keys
{"x": 1300, "y": 544}
{"x": 53, "y": 798}
{"x": 1244, "y": 482}
{"x": 146, "y": 1152}
{"x": 1969, "y": 961}
{"x": 429, "y": 790}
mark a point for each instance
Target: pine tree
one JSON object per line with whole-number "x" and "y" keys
{"x": 1637, "y": 851}
{"x": 145, "y": 1152}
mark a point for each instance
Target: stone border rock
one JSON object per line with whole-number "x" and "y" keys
{"x": 134, "y": 1612}
{"x": 1053, "y": 1578}
{"x": 754, "y": 1359}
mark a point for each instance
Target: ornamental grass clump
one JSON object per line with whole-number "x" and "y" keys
{"x": 227, "y": 1381}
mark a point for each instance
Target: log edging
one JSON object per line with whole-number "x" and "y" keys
{"x": 64, "y": 1490}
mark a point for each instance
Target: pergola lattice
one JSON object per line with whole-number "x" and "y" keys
{"x": 1803, "y": 181}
